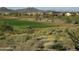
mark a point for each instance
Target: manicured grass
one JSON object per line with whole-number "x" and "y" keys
{"x": 18, "y": 23}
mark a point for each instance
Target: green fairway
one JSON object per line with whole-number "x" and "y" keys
{"x": 18, "y": 23}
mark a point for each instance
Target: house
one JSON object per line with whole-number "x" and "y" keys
{"x": 4, "y": 13}
{"x": 68, "y": 14}
{"x": 77, "y": 13}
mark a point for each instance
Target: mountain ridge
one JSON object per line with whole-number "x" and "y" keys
{"x": 29, "y": 9}
{"x": 32, "y": 9}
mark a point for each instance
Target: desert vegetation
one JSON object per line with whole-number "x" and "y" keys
{"x": 24, "y": 35}
{"x": 45, "y": 32}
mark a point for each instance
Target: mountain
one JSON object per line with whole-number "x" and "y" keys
{"x": 3, "y": 9}
{"x": 29, "y": 9}
{"x": 41, "y": 9}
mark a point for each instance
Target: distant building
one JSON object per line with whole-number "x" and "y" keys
{"x": 77, "y": 13}
{"x": 68, "y": 14}
{"x": 4, "y": 13}
{"x": 58, "y": 13}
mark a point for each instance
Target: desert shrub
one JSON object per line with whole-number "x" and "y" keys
{"x": 11, "y": 43}
{"x": 55, "y": 45}
{"x": 76, "y": 22}
{"x": 33, "y": 44}
{"x": 68, "y": 20}
{"x": 74, "y": 37}
{"x": 6, "y": 27}
{"x": 27, "y": 38}
{"x": 58, "y": 45}
{"x": 38, "y": 46}
{"x": 29, "y": 29}
{"x": 2, "y": 37}
{"x": 1, "y": 33}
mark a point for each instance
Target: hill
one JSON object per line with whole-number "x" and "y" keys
{"x": 4, "y": 9}
{"x": 29, "y": 9}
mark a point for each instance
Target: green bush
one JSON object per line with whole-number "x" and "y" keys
{"x": 6, "y": 27}
{"x": 58, "y": 45}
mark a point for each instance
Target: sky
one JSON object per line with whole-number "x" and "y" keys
{"x": 39, "y": 3}
{"x": 74, "y": 4}
{"x": 49, "y": 4}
